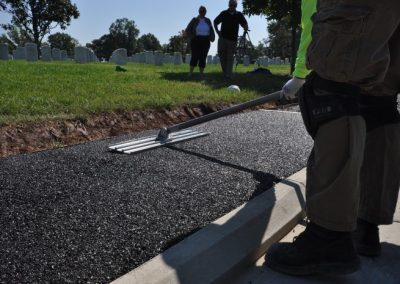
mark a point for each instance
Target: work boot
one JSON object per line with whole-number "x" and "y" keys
{"x": 315, "y": 251}
{"x": 366, "y": 239}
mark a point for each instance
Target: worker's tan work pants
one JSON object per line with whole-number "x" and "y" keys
{"x": 354, "y": 168}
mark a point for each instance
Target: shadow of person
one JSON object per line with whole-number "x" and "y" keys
{"x": 223, "y": 246}
{"x": 258, "y": 83}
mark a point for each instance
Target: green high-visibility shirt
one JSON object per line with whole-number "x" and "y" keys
{"x": 308, "y": 8}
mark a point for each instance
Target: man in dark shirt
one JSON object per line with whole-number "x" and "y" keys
{"x": 228, "y": 35}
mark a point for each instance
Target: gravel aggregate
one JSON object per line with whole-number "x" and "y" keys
{"x": 81, "y": 214}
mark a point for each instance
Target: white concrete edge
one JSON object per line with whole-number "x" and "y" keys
{"x": 231, "y": 243}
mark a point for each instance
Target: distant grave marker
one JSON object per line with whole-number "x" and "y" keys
{"x": 3, "y": 51}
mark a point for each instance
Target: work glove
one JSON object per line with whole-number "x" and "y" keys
{"x": 291, "y": 88}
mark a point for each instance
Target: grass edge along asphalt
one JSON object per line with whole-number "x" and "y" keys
{"x": 39, "y": 91}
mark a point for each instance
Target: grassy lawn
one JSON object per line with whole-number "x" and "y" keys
{"x": 42, "y": 90}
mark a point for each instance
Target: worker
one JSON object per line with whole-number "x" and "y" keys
{"x": 349, "y": 107}
{"x": 228, "y": 35}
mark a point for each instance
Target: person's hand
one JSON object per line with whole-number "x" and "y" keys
{"x": 291, "y": 87}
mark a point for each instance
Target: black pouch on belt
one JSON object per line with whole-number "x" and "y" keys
{"x": 323, "y": 100}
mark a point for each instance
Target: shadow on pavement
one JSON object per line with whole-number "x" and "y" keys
{"x": 251, "y": 241}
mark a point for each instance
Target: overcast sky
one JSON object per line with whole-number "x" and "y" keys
{"x": 162, "y": 18}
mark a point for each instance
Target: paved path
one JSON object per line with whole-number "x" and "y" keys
{"x": 83, "y": 214}
{"x": 384, "y": 269}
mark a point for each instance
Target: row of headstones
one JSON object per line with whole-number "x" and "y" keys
{"x": 29, "y": 52}
{"x": 265, "y": 61}
{"x": 120, "y": 57}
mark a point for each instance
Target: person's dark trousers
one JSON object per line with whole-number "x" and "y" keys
{"x": 200, "y": 46}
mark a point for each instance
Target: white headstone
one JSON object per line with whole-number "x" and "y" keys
{"x": 80, "y": 54}
{"x": 3, "y": 51}
{"x": 209, "y": 59}
{"x": 31, "y": 52}
{"x": 216, "y": 60}
{"x": 158, "y": 58}
{"x": 10, "y": 57}
{"x": 64, "y": 55}
{"x": 120, "y": 56}
{"x": 177, "y": 58}
{"x": 20, "y": 53}
{"x": 56, "y": 54}
{"x": 46, "y": 53}
{"x": 246, "y": 60}
{"x": 149, "y": 57}
{"x": 287, "y": 61}
{"x": 188, "y": 57}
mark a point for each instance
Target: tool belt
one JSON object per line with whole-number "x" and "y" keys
{"x": 323, "y": 100}
{"x": 379, "y": 110}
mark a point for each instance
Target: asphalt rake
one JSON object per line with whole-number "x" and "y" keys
{"x": 179, "y": 132}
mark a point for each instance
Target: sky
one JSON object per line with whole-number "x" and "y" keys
{"x": 159, "y": 17}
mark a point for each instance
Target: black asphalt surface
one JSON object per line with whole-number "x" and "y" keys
{"x": 83, "y": 214}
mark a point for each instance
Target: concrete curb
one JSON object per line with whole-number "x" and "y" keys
{"x": 222, "y": 249}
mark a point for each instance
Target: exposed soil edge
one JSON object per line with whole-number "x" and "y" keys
{"x": 37, "y": 136}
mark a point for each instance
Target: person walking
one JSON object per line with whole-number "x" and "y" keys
{"x": 230, "y": 20}
{"x": 349, "y": 107}
{"x": 201, "y": 34}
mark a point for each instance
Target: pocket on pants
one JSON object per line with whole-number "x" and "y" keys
{"x": 336, "y": 39}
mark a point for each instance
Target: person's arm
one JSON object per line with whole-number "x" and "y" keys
{"x": 189, "y": 28}
{"x": 243, "y": 23}
{"x": 290, "y": 89}
{"x": 217, "y": 21}
{"x": 212, "y": 33}
{"x": 308, "y": 8}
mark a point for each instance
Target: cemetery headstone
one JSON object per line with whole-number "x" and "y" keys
{"x": 120, "y": 56}
{"x": 80, "y": 54}
{"x": 20, "y": 53}
{"x": 158, "y": 58}
{"x": 246, "y": 60}
{"x": 64, "y": 55}
{"x": 149, "y": 57}
{"x": 56, "y": 54}
{"x": 188, "y": 57}
{"x": 209, "y": 59}
{"x": 216, "y": 60}
{"x": 177, "y": 58}
{"x": 46, "y": 53}
{"x": 3, "y": 51}
{"x": 31, "y": 52}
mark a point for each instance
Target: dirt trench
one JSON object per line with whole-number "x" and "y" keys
{"x": 38, "y": 136}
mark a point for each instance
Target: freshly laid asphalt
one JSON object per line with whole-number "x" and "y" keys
{"x": 84, "y": 214}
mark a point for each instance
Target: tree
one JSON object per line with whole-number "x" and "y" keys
{"x": 17, "y": 36}
{"x": 287, "y": 11}
{"x": 5, "y": 39}
{"x": 2, "y": 5}
{"x": 123, "y": 33}
{"x": 63, "y": 41}
{"x": 148, "y": 42}
{"x": 103, "y": 47}
{"x": 279, "y": 40}
{"x": 38, "y": 17}
{"x": 177, "y": 43}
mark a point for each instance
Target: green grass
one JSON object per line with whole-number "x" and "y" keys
{"x": 40, "y": 91}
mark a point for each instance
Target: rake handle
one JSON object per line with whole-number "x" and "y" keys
{"x": 224, "y": 112}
